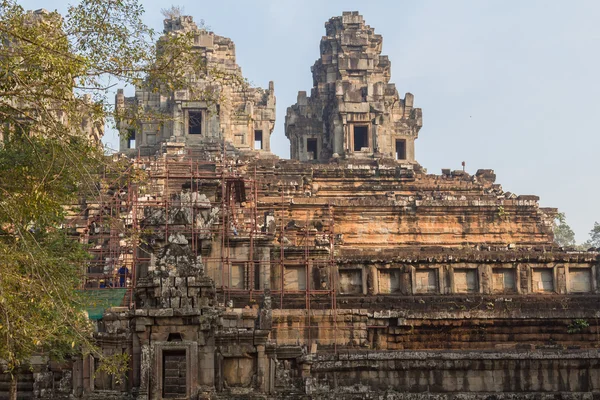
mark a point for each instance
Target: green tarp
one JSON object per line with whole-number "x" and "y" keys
{"x": 99, "y": 300}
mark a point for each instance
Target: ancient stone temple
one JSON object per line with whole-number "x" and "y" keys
{"x": 217, "y": 105}
{"x": 231, "y": 274}
{"x": 353, "y": 110}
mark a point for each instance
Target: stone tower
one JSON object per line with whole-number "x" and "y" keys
{"x": 352, "y": 110}
{"x": 242, "y": 115}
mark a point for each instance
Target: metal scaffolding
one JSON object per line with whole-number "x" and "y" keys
{"x": 238, "y": 248}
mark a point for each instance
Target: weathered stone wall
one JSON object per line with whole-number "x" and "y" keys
{"x": 442, "y": 322}
{"x": 378, "y": 205}
{"x": 435, "y": 372}
{"x": 373, "y": 257}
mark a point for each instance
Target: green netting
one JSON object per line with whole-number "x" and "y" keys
{"x": 99, "y": 300}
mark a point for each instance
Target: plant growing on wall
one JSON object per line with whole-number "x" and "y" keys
{"x": 577, "y": 326}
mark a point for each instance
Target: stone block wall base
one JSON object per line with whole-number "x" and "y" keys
{"x": 108, "y": 395}
{"x": 440, "y": 396}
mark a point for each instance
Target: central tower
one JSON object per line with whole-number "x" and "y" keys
{"x": 353, "y": 110}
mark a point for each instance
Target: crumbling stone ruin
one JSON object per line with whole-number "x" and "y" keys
{"x": 216, "y": 105}
{"x": 352, "y": 277}
{"x": 353, "y": 110}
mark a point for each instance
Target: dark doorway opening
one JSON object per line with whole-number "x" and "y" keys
{"x": 195, "y": 122}
{"x": 400, "y": 149}
{"x": 258, "y": 140}
{"x": 256, "y": 276}
{"x": 131, "y": 138}
{"x": 361, "y": 137}
{"x": 311, "y": 148}
{"x": 174, "y": 374}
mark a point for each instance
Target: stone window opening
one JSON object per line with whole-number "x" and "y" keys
{"x": 237, "y": 277}
{"x": 400, "y": 149}
{"x": 295, "y": 278}
{"x": 543, "y": 280}
{"x": 504, "y": 280}
{"x": 311, "y": 149}
{"x": 426, "y": 280}
{"x": 465, "y": 280}
{"x": 131, "y": 138}
{"x": 580, "y": 280}
{"x": 361, "y": 137}
{"x": 258, "y": 140}
{"x": 195, "y": 122}
{"x": 390, "y": 281}
{"x": 351, "y": 281}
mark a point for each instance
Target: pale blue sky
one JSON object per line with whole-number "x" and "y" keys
{"x": 509, "y": 85}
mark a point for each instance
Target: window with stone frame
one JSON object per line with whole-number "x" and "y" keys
{"x": 542, "y": 280}
{"x": 504, "y": 280}
{"x": 311, "y": 148}
{"x": 400, "y": 149}
{"x": 131, "y": 139}
{"x": 426, "y": 280}
{"x": 390, "y": 281}
{"x": 237, "y": 278}
{"x": 258, "y": 140}
{"x": 360, "y": 137}
{"x": 295, "y": 277}
{"x": 351, "y": 281}
{"x": 465, "y": 280}
{"x": 580, "y": 280}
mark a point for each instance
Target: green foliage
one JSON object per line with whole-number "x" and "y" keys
{"x": 563, "y": 234}
{"x": 50, "y": 155}
{"x": 577, "y": 326}
{"x": 501, "y": 212}
{"x": 40, "y": 308}
{"x": 114, "y": 365}
{"x": 594, "y": 240}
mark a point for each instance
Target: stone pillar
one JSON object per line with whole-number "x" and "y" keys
{"x": 87, "y": 381}
{"x": 218, "y": 371}
{"x": 206, "y": 363}
{"x": 262, "y": 368}
{"x": 141, "y": 135}
{"x": 78, "y": 377}
{"x": 265, "y": 268}
{"x": 145, "y": 371}
{"x": 339, "y": 138}
{"x": 272, "y": 367}
{"x": 410, "y": 149}
{"x": 136, "y": 358}
{"x": 375, "y": 140}
{"x": 178, "y": 120}
{"x": 373, "y": 277}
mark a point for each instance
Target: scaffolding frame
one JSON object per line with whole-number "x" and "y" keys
{"x": 237, "y": 195}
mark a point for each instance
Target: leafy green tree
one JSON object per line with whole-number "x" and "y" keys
{"x": 594, "y": 240}
{"x": 563, "y": 234}
{"x": 56, "y": 75}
